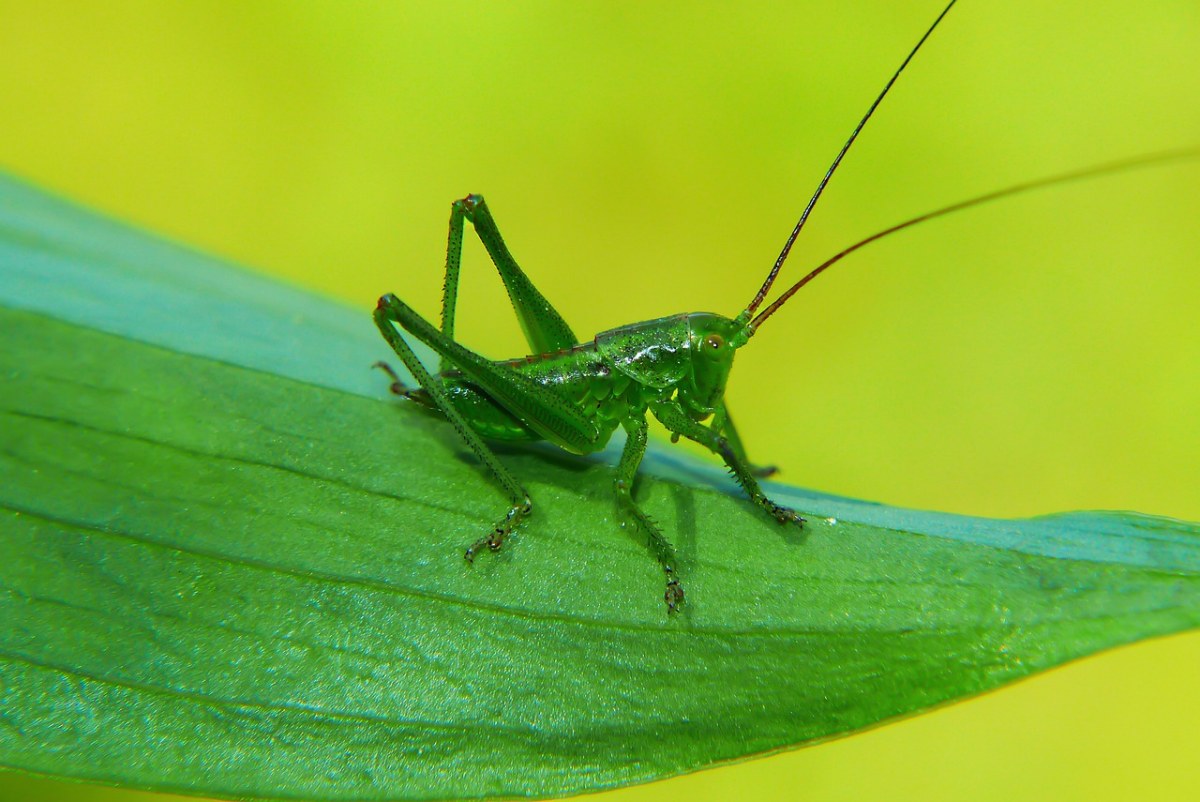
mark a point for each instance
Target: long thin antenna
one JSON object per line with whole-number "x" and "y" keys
{"x": 1040, "y": 183}
{"x": 783, "y": 255}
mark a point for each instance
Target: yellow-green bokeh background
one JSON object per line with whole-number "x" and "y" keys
{"x": 1039, "y": 355}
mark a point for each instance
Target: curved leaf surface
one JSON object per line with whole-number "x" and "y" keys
{"x": 229, "y": 566}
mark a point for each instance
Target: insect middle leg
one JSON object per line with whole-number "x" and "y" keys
{"x": 635, "y": 447}
{"x": 671, "y": 414}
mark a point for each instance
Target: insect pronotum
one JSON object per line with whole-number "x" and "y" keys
{"x": 576, "y": 393}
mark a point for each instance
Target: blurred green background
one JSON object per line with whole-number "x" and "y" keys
{"x": 1041, "y": 354}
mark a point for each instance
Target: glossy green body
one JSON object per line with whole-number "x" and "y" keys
{"x": 615, "y": 375}
{"x": 575, "y": 394}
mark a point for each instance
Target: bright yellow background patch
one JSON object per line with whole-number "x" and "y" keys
{"x": 1037, "y": 355}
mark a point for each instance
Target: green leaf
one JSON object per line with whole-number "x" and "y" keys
{"x": 230, "y": 566}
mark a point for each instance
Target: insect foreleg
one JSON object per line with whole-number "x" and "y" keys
{"x": 544, "y": 327}
{"x": 722, "y": 423}
{"x": 631, "y": 457}
{"x": 392, "y": 310}
{"x": 671, "y": 414}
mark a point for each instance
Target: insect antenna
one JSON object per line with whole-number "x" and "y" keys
{"x": 1094, "y": 171}
{"x": 787, "y": 247}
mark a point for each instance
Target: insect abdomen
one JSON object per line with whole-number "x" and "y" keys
{"x": 581, "y": 374}
{"x": 484, "y": 415}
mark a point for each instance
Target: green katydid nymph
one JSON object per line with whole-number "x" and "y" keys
{"x": 575, "y": 393}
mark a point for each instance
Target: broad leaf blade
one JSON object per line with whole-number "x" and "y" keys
{"x": 227, "y": 570}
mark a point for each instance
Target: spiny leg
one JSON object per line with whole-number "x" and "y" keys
{"x": 722, "y": 423}
{"x": 544, "y": 327}
{"x": 392, "y": 310}
{"x": 631, "y": 457}
{"x": 543, "y": 408}
{"x": 397, "y": 387}
{"x": 671, "y": 414}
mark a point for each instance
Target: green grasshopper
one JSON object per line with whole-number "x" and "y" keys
{"x": 575, "y": 394}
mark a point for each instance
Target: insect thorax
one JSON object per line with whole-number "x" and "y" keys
{"x": 688, "y": 353}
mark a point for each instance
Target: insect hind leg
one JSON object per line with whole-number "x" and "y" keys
{"x": 391, "y": 311}
{"x": 544, "y": 328}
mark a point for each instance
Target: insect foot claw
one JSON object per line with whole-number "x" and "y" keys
{"x": 493, "y": 542}
{"x": 674, "y": 596}
{"x": 784, "y": 515}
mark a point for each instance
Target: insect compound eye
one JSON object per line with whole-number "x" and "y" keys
{"x": 714, "y": 343}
